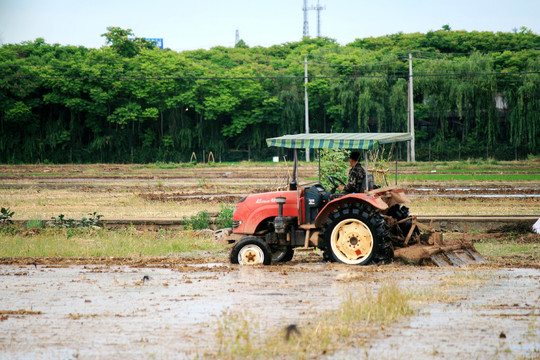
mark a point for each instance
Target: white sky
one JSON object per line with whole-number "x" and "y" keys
{"x": 202, "y": 24}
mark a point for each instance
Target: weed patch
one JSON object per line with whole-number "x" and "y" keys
{"x": 89, "y": 242}
{"x": 61, "y": 221}
{"x": 240, "y": 335}
{"x": 521, "y": 249}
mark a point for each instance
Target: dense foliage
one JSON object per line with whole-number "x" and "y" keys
{"x": 475, "y": 93}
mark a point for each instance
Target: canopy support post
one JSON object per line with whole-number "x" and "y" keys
{"x": 319, "y": 156}
{"x": 295, "y": 169}
{"x": 395, "y": 155}
{"x": 396, "y": 169}
{"x": 367, "y": 173}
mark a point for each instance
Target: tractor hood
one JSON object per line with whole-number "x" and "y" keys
{"x": 254, "y": 209}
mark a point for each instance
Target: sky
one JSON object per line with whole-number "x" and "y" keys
{"x": 202, "y": 24}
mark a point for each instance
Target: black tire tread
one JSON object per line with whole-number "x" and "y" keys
{"x": 382, "y": 250}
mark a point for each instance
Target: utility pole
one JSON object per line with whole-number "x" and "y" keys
{"x": 411, "y": 112}
{"x": 306, "y": 104}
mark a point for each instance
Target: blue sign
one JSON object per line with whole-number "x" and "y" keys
{"x": 157, "y": 41}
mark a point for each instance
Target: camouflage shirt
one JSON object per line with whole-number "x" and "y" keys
{"x": 356, "y": 176}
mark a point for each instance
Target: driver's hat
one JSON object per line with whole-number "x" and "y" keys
{"x": 355, "y": 155}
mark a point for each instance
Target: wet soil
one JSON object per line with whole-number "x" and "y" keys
{"x": 170, "y": 307}
{"x": 494, "y": 318}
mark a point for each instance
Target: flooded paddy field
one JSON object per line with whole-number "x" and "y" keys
{"x": 123, "y": 311}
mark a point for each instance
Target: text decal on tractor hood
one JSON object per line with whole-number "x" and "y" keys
{"x": 262, "y": 201}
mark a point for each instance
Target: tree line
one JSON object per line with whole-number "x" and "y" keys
{"x": 475, "y": 95}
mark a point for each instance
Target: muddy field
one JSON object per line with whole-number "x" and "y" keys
{"x": 168, "y": 307}
{"x": 164, "y": 312}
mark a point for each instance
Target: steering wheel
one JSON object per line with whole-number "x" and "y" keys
{"x": 335, "y": 182}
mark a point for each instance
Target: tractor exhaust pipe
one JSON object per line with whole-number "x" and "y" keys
{"x": 279, "y": 221}
{"x": 294, "y": 182}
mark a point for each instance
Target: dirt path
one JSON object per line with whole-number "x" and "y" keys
{"x": 123, "y": 312}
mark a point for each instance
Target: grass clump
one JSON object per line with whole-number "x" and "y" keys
{"x": 35, "y": 224}
{"x": 239, "y": 335}
{"x": 465, "y": 278}
{"x": 72, "y": 242}
{"x": 497, "y": 249}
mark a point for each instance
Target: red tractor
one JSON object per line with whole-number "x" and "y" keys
{"x": 350, "y": 228}
{"x": 357, "y": 228}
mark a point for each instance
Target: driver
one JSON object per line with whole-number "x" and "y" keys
{"x": 356, "y": 175}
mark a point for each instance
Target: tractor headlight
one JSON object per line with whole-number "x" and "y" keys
{"x": 236, "y": 224}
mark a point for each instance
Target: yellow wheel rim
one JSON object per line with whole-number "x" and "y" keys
{"x": 251, "y": 255}
{"x": 351, "y": 241}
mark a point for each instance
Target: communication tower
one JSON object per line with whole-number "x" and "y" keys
{"x": 306, "y": 25}
{"x": 318, "y": 8}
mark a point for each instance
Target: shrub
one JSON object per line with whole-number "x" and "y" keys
{"x": 197, "y": 222}
{"x": 60, "y": 221}
{"x": 224, "y": 217}
{"x": 5, "y": 216}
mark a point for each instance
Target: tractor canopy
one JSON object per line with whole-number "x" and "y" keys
{"x": 357, "y": 141}
{"x": 346, "y": 141}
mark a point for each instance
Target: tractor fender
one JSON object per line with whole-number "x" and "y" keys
{"x": 371, "y": 200}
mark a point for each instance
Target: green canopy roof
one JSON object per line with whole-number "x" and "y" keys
{"x": 361, "y": 141}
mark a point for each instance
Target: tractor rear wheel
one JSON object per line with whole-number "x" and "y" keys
{"x": 355, "y": 234}
{"x": 251, "y": 251}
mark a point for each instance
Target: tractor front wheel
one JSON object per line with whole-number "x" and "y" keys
{"x": 251, "y": 251}
{"x": 354, "y": 235}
